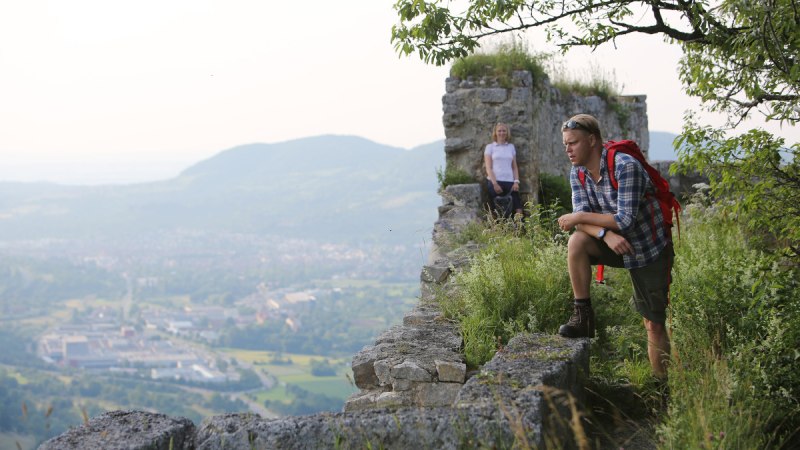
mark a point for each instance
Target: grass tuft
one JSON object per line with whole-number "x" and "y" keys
{"x": 451, "y": 176}
{"x": 499, "y": 63}
{"x": 596, "y": 81}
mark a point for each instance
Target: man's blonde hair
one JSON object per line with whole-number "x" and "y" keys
{"x": 585, "y": 122}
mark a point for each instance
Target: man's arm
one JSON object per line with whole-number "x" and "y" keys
{"x": 592, "y": 223}
{"x": 632, "y": 183}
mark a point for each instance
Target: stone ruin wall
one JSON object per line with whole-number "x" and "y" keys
{"x": 534, "y": 111}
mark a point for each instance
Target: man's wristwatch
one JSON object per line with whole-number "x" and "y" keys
{"x": 601, "y": 234}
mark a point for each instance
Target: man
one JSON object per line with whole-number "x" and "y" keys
{"x": 619, "y": 228}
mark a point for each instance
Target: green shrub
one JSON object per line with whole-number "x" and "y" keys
{"x": 499, "y": 64}
{"x": 555, "y": 191}
{"x": 473, "y": 232}
{"x": 735, "y": 327}
{"x": 451, "y": 176}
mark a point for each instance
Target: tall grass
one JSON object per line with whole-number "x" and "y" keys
{"x": 519, "y": 282}
{"x": 597, "y": 80}
{"x": 513, "y": 285}
{"x": 501, "y": 60}
{"x": 734, "y": 321}
{"x": 736, "y": 328}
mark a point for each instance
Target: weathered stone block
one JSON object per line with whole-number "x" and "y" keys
{"x": 493, "y": 95}
{"x": 467, "y": 84}
{"x": 421, "y": 316}
{"x": 453, "y": 119}
{"x": 361, "y": 401}
{"x": 451, "y": 84}
{"x": 435, "y": 273}
{"x": 444, "y": 209}
{"x": 400, "y": 385}
{"x": 456, "y": 145}
{"x": 382, "y": 371}
{"x": 451, "y": 372}
{"x": 427, "y": 291}
{"x": 409, "y": 370}
{"x": 363, "y": 371}
{"x": 522, "y": 78}
{"x": 465, "y": 195}
{"x": 437, "y": 394}
{"x": 393, "y": 400}
{"x": 521, "y": 95}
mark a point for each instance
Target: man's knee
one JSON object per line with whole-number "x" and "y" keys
{"x": 655, "y": 327}
{"x": 580, "y": 243}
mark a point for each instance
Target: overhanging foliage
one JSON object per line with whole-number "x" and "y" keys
{"x": 739, "y": 57}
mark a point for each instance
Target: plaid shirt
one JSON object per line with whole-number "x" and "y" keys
{"x": 638, "y": 217}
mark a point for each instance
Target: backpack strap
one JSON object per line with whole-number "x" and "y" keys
{"x": 610, "y": 165}
{"x": 611, "y": 153}
{"x": 582, "y": 177}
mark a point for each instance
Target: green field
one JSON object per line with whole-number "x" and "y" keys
{"x": 298, "y": 373}
{"x": 337, "y": 387}
{"x": 278, "y": 393}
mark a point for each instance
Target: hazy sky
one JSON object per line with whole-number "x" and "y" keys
{"x": 120, "y": 91}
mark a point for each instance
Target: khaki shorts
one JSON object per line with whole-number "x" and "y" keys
{"x": 650, "y": 283}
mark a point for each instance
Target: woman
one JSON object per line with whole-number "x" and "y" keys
{"x": 500, "y": 158}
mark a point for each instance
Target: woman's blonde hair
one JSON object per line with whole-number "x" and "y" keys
{"x": 494, "y": 131}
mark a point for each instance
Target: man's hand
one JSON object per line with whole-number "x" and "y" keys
{"x": 619, "y": 244}
{"x": 568, "y": 221}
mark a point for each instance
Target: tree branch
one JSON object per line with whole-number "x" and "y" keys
{"x": 759, "y": 99}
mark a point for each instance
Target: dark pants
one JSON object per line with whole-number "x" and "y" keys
{"x": 650, "y": 283}
{"x": 516, "y": 201}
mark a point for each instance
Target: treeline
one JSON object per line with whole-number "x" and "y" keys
{"x": 339, "y": 325}
{"x": 33, "y": 414}
{"x": 44, "y": 406}
{"x": 16, "y": 345}
{"x": 304, "y": 402}
{"x": 28, "y": 286}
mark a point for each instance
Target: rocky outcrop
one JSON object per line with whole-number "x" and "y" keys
{"x": 414, "y": 364}
{"x": 524, "y": 397}
{"x": 123, "y": 430}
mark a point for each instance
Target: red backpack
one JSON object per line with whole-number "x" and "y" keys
{"x": 666, "y": 199}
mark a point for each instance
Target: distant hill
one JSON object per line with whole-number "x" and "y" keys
{"x": 661, "y": 146}
{"x": 332, "y": 188}
{"x": 324, "y": 187}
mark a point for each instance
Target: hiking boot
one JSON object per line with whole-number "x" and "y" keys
{"x": 581, "y": 324}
